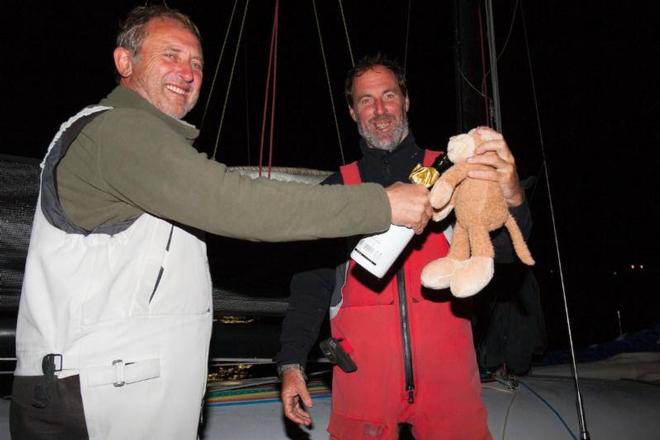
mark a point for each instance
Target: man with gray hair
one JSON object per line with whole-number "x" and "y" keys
{"x": 116, "y": 309}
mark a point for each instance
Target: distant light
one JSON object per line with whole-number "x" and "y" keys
{"x": 641, "y": 267}
{"x": 632, "y": 266}
{"x": 614, "y": 273}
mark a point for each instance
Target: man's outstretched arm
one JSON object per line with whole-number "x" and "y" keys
{"x": 410, "y": 205}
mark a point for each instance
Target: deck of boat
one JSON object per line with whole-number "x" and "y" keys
{"x": 536, "y": 408}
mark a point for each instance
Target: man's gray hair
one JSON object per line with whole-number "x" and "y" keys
{"x": 131, "y": 31}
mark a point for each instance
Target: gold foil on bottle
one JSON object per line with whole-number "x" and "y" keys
{"x": 424, "y": 175}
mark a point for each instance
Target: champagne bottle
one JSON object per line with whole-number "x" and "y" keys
{"x": 377, "y": 253}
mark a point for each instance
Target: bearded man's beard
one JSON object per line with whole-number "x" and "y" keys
{"x": 388, "y": 143}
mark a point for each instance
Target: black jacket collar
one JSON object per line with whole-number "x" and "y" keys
{"x": 387, "y": 167}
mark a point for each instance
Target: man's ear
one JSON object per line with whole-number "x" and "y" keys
{"x": 352, "y": 113}
{"x": 407, "y": 104}
{"x": 123, "y": 61}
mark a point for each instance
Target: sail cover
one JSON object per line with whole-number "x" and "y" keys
{"x": 19, "y": 187}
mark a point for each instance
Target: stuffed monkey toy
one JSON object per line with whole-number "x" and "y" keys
{"x": 479, "y": 207}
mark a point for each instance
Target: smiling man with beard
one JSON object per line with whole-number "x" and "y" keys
{"x": 116, "y": 310}
{"x": 412, "y": 347}
{"x": 380, "y": 109}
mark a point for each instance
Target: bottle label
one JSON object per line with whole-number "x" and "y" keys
{"x": 376, "y": 253}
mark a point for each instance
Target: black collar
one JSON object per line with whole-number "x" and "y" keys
{"x": 387, "y": 167}
{"x": 406, "y": 146}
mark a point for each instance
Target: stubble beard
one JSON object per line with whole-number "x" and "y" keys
{"x": 389, "y": 143}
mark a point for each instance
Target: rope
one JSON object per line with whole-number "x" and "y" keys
{"x": 272, "y": 109}
{"x": 273, "y": 37}
{"x": 508, "y": 413}
{"x": 247, "y": 103}
{"x": 231, "y": 77}
{"x": 563, "y": 422}
{"x": 348, "y": 40}
{"x": 217, "y": 66}
{"x": 327, "y": 77}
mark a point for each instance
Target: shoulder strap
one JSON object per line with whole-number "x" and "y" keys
{"x": 50, "y": 205}
{"x": 350, "y": 173}
{"x": 430, "y": 156}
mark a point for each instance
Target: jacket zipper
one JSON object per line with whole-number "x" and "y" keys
{"x": 405, "y": 335}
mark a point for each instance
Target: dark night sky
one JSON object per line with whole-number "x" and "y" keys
{"x": 596, "y": 84}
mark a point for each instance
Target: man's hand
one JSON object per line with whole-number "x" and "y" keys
{"x": 410, "y": 205}
{"x": 294, "y": 390}
{"x": 497, "y": 155}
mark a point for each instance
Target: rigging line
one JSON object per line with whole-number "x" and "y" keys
{"x": 490, "y": 23}
{"x": 584, "y": 433}
{"x": 272, "y": 106}
{"x": 508, "y": 413}
{"x": 481, "y": 92}
{"x": 484, "y": 86}
{"x": 405, "y": 51}
{"x": 472, "y": 86}
{"x": 266, "y": 95}
{"x": 561, "y": 419}
{"x": 327, "y": 77}
{"x": 508, "y": 37}
{"x": 348, "y": 40}
{"x": 217, "y": 66}
{"x": 247, "y": 102}
{"x": 231, "y": 77}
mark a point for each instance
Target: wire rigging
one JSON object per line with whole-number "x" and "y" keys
{"x": 327, "y": 77}
{"x": 271, "y": 136}
{"x": 490, "y": 24}
{"x": 272, "y": 66}
{"x": 508, "y": 37}
{"x": 348, "y": 40}
{"x": 231, "y": 77}
{"x": 584, "y": 433}
{"x": 484, "y": 85}
{"x": 217, "y": 66}
{"x": 405, "y": 50}
{"x": 247, "y": 103}
{"x": 485, "y": 75}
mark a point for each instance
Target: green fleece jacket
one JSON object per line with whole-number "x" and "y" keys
{"x": 135, "y": 159}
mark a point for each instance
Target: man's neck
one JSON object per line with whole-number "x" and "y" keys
{"x": 367, "y": 147}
